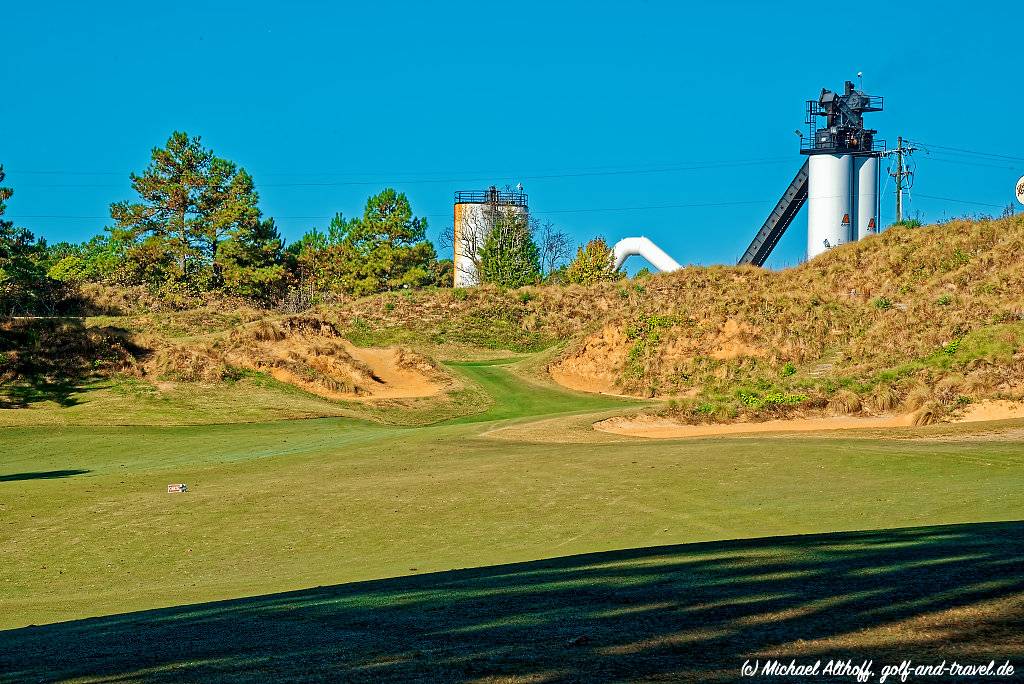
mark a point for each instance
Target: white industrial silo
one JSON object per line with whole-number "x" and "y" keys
{"x": 829, "y": 202}
{"x": 476, "y": 214}
{"x": 838, "y": 182}
{"x": 866, "y": 178}
{"x": 842, "y": 168}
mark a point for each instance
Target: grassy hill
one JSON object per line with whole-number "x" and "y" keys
{"x": 926, "y": 320}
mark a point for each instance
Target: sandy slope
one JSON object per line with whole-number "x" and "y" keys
{"x": 396, "y": 372}
{"x": 655, "y": 427}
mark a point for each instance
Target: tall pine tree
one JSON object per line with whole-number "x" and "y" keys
{"x": 510, "y": 256}
{"x": 21, "y": 272}
{"x": 191, "y": 205}
{"x": 385, "y": 249}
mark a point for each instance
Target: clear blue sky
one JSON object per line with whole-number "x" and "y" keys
{"x": 652, "y": 118}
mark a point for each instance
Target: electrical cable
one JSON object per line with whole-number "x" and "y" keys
{"x": 965, "y": 151}
{"x": 694, "y": 166}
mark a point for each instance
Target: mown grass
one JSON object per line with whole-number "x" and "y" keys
{"x": 89, "y": 530}
{"x": 514, "y": 395}
{"x": 690, "y": 612}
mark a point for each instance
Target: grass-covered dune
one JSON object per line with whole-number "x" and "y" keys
{"x": 926, "y": 320}
{"x": 915, "y": 319}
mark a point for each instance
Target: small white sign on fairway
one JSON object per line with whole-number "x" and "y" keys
{"x": 177, "y": 488}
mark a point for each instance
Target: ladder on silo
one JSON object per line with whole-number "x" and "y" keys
{"x": 778, "y": 221}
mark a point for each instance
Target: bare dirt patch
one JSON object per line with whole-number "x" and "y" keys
{"x": 593, "y": 367}
{"x": 992, "y": 410}
{"x": 397, "y": 373}
{"x": 665, "y": 428}
{"x": 734, "y": 341}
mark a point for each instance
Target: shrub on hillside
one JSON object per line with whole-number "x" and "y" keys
{"x": 593, "y": 264}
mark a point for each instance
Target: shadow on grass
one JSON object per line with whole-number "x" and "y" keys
{"x": 677, "y": 613}
{"x": 41, "y": 475}
{"x": 52, "y": 359}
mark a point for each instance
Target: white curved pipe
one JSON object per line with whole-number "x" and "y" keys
{"x": 641, "y": 246}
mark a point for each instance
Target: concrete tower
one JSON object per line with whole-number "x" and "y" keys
{"x": 476, "y": 213}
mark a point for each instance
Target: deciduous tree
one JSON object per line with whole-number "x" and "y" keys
{"x": 593, "y": 264}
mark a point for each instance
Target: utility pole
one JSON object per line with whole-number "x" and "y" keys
{"x": 904, "y": 178}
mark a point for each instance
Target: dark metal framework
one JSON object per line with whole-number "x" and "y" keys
{"x": 492, "y": 195}
{"x": 778, "y": 221}
{"x": 843, "y": 131}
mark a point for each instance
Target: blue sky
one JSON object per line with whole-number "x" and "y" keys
{"x": 643, "y": 118}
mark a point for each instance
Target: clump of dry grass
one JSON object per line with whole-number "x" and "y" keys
{"x": 918, "y": 396}
{"x": 196, "y": 363}
{"x": 844, "y": 402}
{"x": 884, "y": 399}
{"x": 929, "y": 413}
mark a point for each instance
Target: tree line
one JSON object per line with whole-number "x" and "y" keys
{"x": 195, "y": 227}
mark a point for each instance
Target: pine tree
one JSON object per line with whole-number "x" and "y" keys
{"x": 250, "y": 261}
{"x": 21, "y": 271}
{"x": 191, "y": 204}
{"x": 510, "y": 256}
{"x": 385, "y": 249}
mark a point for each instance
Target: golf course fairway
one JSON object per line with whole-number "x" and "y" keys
{"x": 309, "y": 547}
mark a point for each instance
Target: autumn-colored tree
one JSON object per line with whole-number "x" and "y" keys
{"x": 593, "y": 264}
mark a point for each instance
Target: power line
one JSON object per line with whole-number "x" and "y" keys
{"x": 965, "y": 151}
{"x": 961, "y": 201}
{"x": 903, "y": 175}
{"x": 963, "y": 162}
{"x": 542, "y": 213}
{"x": 391, "y": 173}
{"x": 689, "y": 205}
{"x": 655, "y": 206}
{"x": 695, "y": 166}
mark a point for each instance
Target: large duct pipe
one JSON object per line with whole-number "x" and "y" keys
{"x": 641, "y": 246}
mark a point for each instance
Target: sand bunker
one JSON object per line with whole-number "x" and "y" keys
{"x": 992, "y": 410}
{"x": 398, "y": 373}
{"x": 655, "y": 427}
{"x": 305, "y": 352}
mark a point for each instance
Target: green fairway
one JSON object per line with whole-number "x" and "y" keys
{"x": 512, "y": 397}
{"x": 676, "y": 613}
{"x": 87, "y": 529}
